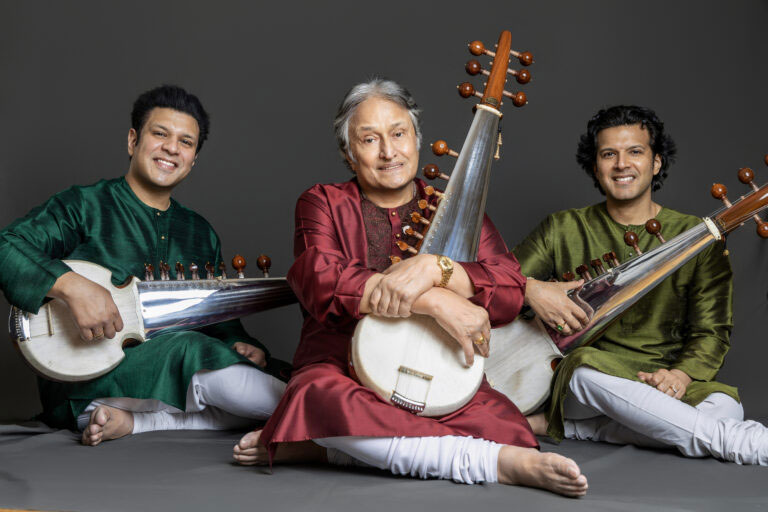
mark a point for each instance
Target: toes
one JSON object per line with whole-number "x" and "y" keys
{"x": 250, "y": 440}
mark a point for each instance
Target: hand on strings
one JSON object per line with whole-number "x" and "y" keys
{"x": 671, "y": 382}
{"x": 466, "y": 322}
{"x": 551, "y": 304}
{"x": 403, "y": 283}
{"x": 253, "y": 354}
{"x": 91, "y": 305}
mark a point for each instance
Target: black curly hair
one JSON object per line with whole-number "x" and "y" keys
{"x": 622, "y": 115}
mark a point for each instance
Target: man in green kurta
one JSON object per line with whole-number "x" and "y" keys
{"x": 212, "y": 378}
{"x": 649, "y": 378}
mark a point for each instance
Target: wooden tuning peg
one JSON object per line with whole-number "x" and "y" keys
{"x": 519, "y": 99}
{"x": 417, "y": 218}
{"x": 424, "y": 205}
{"x": 653, "y": 227}
{"x": 441, "y": 148}
{"x": 522, "y": 76}
{"x": 746, "y": 175}
{"x": 405, "y": 247}
{"x": 525, "y": 58}
{"x": 238, "y": 263}
{"x": 408, "y": 230}
{"x": 264, "y": 262}
{"x": 630, "y": 238}
{"x": 179, "y": 271}
{"x": 395, "y": 259}
{"x": 223, "y": 270}
{"x": 762, "y": 228}
{"x": 193, "y": 271}
{"x": 611, "y": 259}
{"x": 765, "y": 159}
{"x": 583, "y": 271}
{"x": 210, "y": 271}
{"x": 478, "y": 48}
{"x": 431, "y": 171}
{"x": 430, "y": 190}
{"x": 598, "y": 266}
{"x": 569, "y": 276}
{"x": 466, "y": 90}
{"x": 719, "y": 191}
{"x": 166, "y": 271}
{"x": 149, "y": 272}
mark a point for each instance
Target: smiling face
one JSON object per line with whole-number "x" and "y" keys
{"x": 625, "y": 164}
{"x": 164, "y": 153}
{"x": 384, "y": 151}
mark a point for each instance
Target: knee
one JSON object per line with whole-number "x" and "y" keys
{"x": 720, "y": 405}
{"x": 583, "y": 377}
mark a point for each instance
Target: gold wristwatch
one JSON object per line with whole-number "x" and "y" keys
{"x": 446, "y": 267}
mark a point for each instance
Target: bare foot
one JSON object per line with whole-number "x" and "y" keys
{"x": 249, "y": 452}
{"x": 550, "y": 471}
{"x": 538, "y": 423}
{"x": 107, "y": 423}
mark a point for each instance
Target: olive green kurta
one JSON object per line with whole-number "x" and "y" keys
{"x": 684, "y": 323}
{"x": 107, "y": 224}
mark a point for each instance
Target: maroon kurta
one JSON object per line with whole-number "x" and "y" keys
{"x": 329, "y": 277}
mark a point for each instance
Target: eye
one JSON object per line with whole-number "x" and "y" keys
{"x": 399, "y": 133}
{"x": 187, "y": 142}
{"x": 607, "y": 154}
{"x": 368, "y": 140}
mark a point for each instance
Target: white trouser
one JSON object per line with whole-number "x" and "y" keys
{"x": 605, "y": 408}
{"x": 230, "y": 398}
{"x": 462, "y": 459}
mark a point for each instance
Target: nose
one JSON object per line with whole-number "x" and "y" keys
{"x": 387, "y": 149}
{"x": 171, "y": 145}
{"x": 621, "y": 160}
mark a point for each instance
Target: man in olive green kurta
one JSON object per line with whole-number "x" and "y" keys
{"x": 674, "y": 339}
{"x": 122, "y": 224}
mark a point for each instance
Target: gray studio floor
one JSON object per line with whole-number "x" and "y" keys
{"x": 191, "y": 471}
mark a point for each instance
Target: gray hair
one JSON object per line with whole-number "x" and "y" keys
{"x": 376, "y": 87}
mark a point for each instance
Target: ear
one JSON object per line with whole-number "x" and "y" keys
{"x": 132, "y": 139}
{"x": 656, "y": 164}
{"x": 352, "y": 163}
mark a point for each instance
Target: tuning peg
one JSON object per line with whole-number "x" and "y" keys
{"x": 193, "y": 271}
{"x": 417, "y": 218}
{"x": 408, "y": 230}
{"x": 746, "y": 175}
{"x": 431, "y": 171}
{"x": 466, "y": 90}
{"x": 440, "y": 148}
{"x": 611, "y": 259}
{"x": 424, "y": 205}
{"x": 238, "y": 263}
{"x": 395, "y": 259}
{"x": 264, "y": 262}
{"x": 430, "y": 190}
{"x": 223, "y": 270}
{"x": 765, "y": 159}
{"x": 405, "y": 247}
{"x": 149, "y": 272}
{"x": 653, "y": 227}
{"x": 473, "y": 67}
{"x": 583, "y": 271}
{"x": 179, "y": 271}
{"x": 519, "y": 99}
{"x": 165, "y": 271}
{"x": 598, "y": 266}
{"x": 210, "y": 271}
{"x": 719, "y": 191}
{"x": 630, "y": 238}
{"x": 568, "y": 276}
{"x": 478, "y": 48}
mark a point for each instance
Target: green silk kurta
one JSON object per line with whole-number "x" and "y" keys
{"x": 107, "y": 224}
{"x": 684, "y": 323}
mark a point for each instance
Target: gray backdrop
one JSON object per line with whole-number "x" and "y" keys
{"x": 271, "y": 75}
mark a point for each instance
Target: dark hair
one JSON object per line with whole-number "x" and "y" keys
{"x": 623, "y": 115}
{"x": 170, "y": 96}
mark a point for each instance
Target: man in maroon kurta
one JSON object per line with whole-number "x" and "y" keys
{"x": 344, "y": 236}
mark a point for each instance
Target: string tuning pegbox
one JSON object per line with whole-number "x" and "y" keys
{"x": 478, "y": 48}
{"x": 193, "y": 271}
{"x": 238, "y": 263}
{"x": 653, "y": 227}
{"x": 746, "y": 176}
{"x": 149, "y": 272}
{"x": 474, "y": 67}
{"x": 630, "y": 238}
{"x": 441, "y": 148}
{"x": 264, "y": 262}
{"x": 431, "y": 171}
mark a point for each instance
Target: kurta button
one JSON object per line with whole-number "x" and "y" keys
{"x": 394, "y": 213}
{"x": 158, "y": 214}
{"x": 397, "y": 235}
{"x": 162, "y": 237}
